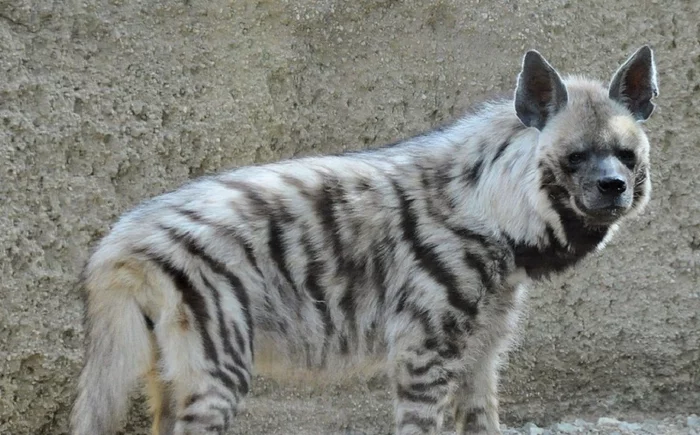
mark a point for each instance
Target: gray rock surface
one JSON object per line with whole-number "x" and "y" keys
{"x": 105, "y": 103}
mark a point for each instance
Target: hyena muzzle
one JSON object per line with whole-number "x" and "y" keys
{"x": 417, "y": 253}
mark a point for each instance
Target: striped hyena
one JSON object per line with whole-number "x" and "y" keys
{"x": 417, "y": 253}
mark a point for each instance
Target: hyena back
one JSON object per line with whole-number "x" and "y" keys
{"x": 418, "y": 253}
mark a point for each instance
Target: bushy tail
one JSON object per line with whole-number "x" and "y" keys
{"x": 118, "y": 352}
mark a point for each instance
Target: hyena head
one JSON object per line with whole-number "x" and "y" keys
{"x": 593, "y": 153}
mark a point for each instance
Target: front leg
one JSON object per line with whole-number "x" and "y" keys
{"x": 422, "y": 386}
{"x": 425, "y": 372}
{"x": 476, "y": 400}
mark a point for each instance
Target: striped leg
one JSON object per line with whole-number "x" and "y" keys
{"x": 420, "y": 402}
{"x": 205, "y": 390}
{"x": 159, "y": 398}
{"x": 423, "y": 382}
{"x": 204, "y": 396}
{"x": 476, "y": 400}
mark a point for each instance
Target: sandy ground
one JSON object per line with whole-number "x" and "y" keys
{"x": 365, "y": 408}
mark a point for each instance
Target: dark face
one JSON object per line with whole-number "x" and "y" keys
{"x": 601, "y": 182}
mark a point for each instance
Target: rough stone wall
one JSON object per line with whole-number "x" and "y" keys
{"x": 104, "y": 103}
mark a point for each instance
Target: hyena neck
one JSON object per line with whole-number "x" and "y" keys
{"x": 492, "y": 161}
{"x": 487, "y": 164}
{"x": 517, "y": 200}
{"x": 567, "y": 238}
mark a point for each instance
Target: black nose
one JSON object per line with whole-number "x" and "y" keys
{"x": 612, "y": 185}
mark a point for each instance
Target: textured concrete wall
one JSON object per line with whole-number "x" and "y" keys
{"x": 104, "y": 103}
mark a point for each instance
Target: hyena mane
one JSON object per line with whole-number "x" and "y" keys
{"x": 416, "y": 254}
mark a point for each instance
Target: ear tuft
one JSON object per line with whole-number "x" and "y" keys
{"x": 634, "y": 84}
{"x": 540, "y": 92}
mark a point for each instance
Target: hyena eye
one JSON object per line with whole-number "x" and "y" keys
{"x": 627, "y": 157}
{"x": 576, "y": 158}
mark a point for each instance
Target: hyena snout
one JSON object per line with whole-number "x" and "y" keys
{"x": 606, "y": 190}
{"x": 612, "y": 186}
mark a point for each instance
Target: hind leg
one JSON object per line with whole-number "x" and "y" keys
{"x": 160, "y": 398}
{"x": 203, "y": 393}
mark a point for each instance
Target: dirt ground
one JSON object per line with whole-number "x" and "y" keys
{"x": 363, "y": 407}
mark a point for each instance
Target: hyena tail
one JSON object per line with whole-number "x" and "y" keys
{"x": 119, "y": 349}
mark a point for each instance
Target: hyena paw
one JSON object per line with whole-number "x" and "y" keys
{"x": 200, "y": 427}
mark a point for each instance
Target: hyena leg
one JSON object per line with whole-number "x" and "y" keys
{"x": 476, "y": 399}
{"x": 205, "y": 393}
{"x": 160, "y": 399}
{"x": 423, "y": 381}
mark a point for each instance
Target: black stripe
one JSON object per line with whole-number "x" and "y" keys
{"x": 470, "y": 420}
{"x": 467, "y": 234}
{"x": 410, "y": 396}
{"x": 501, "y": 149}
{"x": 475, "y": 262}
{"x": 475, "y": 172}
{"x": 228, "y": 231}
{"x": 225, "y": 378}
{"x": 314, "y": 269}
{"x": 425, "y": 424}
{"x": 250, "y": 255}
{"x": 193, "y": 299}
{"x": 402, "y": 299}
{"x": 219, "y": 268}
{"x": 429, "y": 259}
{"x": 422, "y": 387}
{"x": 149, "y": 323}
{"x": 242, "y": 376}
{"x": 278, "y": 251}
{"x": 257, "y": 203}
{"x": 371, "y": 336}
{"x": 348, "y": 306}
{"x": 442, "y": 176}
{"x": 343, "y": 344}
{"x": 223, "y": 328}
{"x": 379, "y": 274}
{"x": 416, "y": 371}
{"x": 450, "y": 326}
{"x": 332, "y": 195}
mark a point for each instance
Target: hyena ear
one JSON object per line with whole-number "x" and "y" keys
{"x": 540, "y": 93}
{"x": 634, "y": 84}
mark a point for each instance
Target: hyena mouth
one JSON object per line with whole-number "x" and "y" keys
{"x": 599, "y": 216}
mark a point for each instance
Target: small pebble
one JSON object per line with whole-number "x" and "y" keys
{"x": 607, "y": 421}
{"x": 532, "y": 429}
{"x": 693, "y": 421}
{"x": 567, "y": 428}
{"x": 630, "y": 426}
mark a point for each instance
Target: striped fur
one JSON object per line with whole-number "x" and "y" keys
{"x": 417, "y": 254}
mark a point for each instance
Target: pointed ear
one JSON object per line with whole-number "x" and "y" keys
{"x": 540, "y": 93}
{"x": 634, "y": 84}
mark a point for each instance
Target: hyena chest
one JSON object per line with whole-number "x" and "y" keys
{"x": 543, "y": 261}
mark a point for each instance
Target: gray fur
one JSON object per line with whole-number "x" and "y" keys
{"x": 418, "y": 254}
